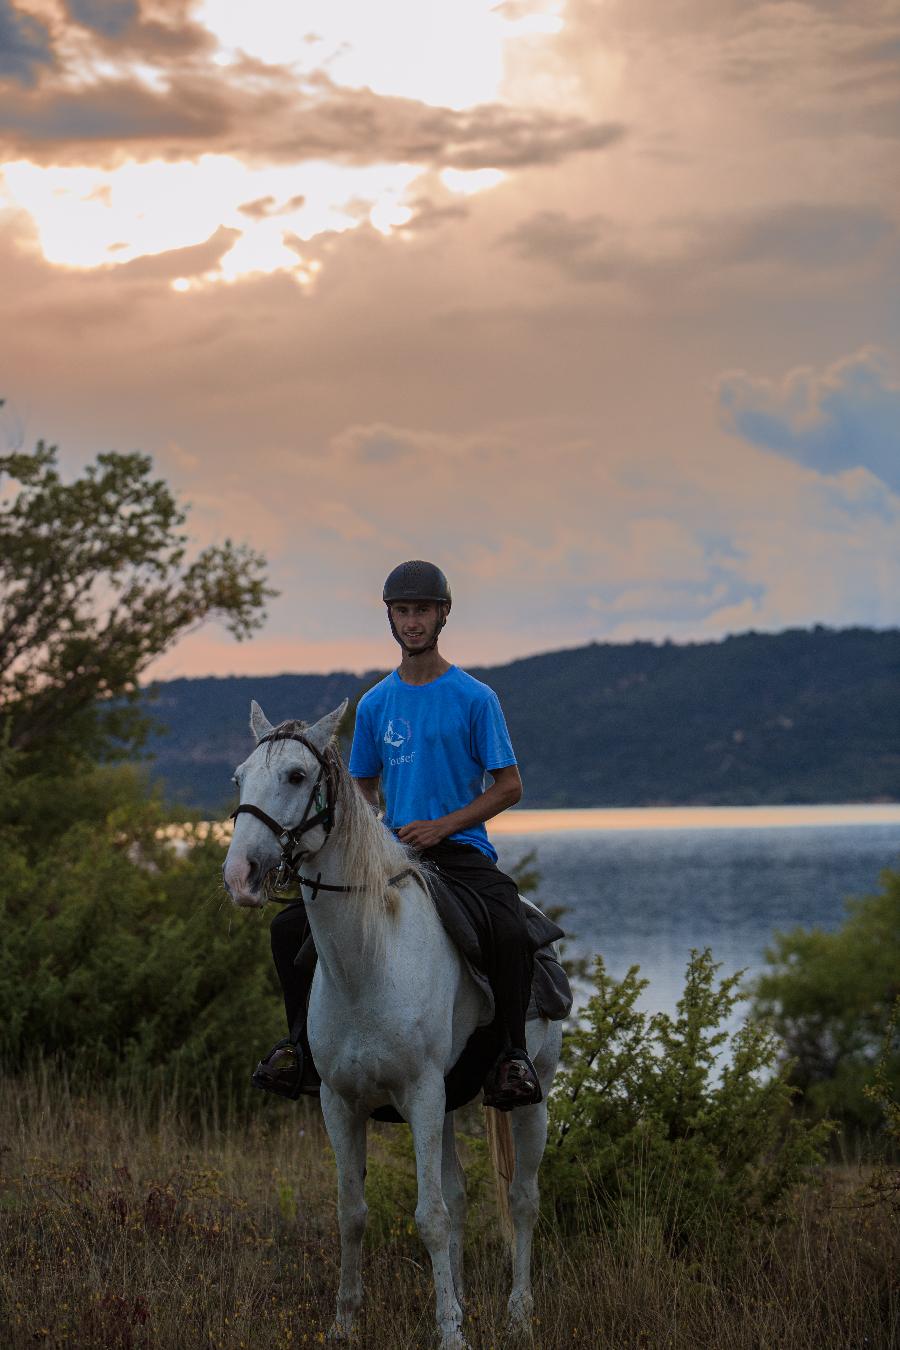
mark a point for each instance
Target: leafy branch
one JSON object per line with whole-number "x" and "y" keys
{"x": 95, "y": 584}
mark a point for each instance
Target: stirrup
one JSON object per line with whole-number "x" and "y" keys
{"x": 512, "y": 1082}
{"x": 293, "y": 1079}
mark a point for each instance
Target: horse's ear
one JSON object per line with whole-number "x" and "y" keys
{"x": 259, "y": 723}
{"x": 324, "y": 731}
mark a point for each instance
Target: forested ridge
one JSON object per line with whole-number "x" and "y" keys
{"x": 800, "y": 716}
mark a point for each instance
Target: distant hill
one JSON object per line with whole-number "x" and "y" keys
{"x": 800, "y": 716}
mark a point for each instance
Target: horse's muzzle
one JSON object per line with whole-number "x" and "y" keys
{"x": 247, "y": 899}
{"x": 245, "y": 881}
{"x": 241, "y": 894}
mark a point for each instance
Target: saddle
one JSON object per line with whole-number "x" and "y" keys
{"x": 467, "y": 922}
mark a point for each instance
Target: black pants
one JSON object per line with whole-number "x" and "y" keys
{"x": 512, "y": 961}
{"x": 295, "y": 961}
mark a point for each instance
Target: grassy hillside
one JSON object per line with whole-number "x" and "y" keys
{"x": 801, "y": 716}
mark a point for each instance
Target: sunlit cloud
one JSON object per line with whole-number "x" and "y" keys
{"x": 470, "y": 181}
{"x": 88, "y": 217}
{"x": 171, "y": 128}
{"x": 449, "y": 55}
{"x": 388, "y": 214}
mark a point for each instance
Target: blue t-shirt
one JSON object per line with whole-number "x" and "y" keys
{"x": 432, "y": 745}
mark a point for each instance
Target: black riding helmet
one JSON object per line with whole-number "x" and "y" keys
{"x": 417, "y": 580}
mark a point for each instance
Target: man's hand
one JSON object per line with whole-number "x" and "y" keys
{"x": 423, "y": 833}
{"x": 505, "y": 791}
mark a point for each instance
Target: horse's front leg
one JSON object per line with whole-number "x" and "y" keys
{"x": 347, "y": 1132}
{"x": 425, "y": 1113}
{"x": 453, "y": 1186}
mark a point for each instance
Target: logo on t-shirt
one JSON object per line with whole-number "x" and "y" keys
{"x": 398, "y": 733}
{"x": 398, "y": 736}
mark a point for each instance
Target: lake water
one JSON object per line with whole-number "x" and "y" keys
{"x": 644, "y": 887}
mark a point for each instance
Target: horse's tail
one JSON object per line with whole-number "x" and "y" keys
{"x": 503, "y": 1161}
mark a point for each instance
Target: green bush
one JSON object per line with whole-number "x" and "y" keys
{"x": 829, "y": 998}
{"x": 675, "y": 1121}
{"x": 883, "y": 1187}
{"x": 120, "y": 955}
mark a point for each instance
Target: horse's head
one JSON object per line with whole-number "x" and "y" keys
{"x": 284, "y": 791}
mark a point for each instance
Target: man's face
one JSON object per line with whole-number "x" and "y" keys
{"x": 416, "y": 621}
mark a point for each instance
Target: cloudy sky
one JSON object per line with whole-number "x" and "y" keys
{"x": 594, "y": 302}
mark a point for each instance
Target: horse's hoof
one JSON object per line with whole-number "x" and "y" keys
{"x": 340, "y": 1331}
{"x": 455, "y": 1341}
{"x": 518, "y": 1315}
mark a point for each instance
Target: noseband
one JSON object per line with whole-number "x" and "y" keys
{"x": 289, "y": 837}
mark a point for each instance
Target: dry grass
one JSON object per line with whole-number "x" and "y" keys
{"x": 123, "y": 1230}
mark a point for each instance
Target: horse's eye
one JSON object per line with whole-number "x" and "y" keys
{"x": 296, "y": 776}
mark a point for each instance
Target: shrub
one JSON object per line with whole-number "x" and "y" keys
{"x": 120, "y": 955}
{"x": 646, "y": 1122}
{"x": 829, "y": 998}
{"x": 884, "y": 1184}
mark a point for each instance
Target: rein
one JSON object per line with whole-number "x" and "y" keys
{"x": 319, "y": 885}
{"x": 289, "y": 837}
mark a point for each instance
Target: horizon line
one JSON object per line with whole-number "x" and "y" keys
{"x": 816, "y": 627}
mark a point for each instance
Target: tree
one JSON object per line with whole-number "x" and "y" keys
{"x": 95, "y": 583}
{"x": 829, "y": 997}
{"x": 119, "y": 954}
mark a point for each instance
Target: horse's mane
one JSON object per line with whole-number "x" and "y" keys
{"x": 371, "y": 854}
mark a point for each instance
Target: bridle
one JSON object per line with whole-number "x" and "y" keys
{"x": 289, "y": 837}
{"x": 322, "y": 803}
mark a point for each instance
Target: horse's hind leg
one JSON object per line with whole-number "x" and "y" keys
{"x": 424, "y": 1109}
{"x": 453, "y": 1185}
{"x": 347, "y": 1132}
{"x": 529, "y": 1128}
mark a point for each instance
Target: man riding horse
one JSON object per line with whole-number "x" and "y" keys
{"x": 428, "y": 733}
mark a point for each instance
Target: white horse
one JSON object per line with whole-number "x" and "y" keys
{"x": 392, "y": 1003}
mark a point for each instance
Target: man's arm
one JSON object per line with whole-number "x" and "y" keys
{"x": 504, "y": 792}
